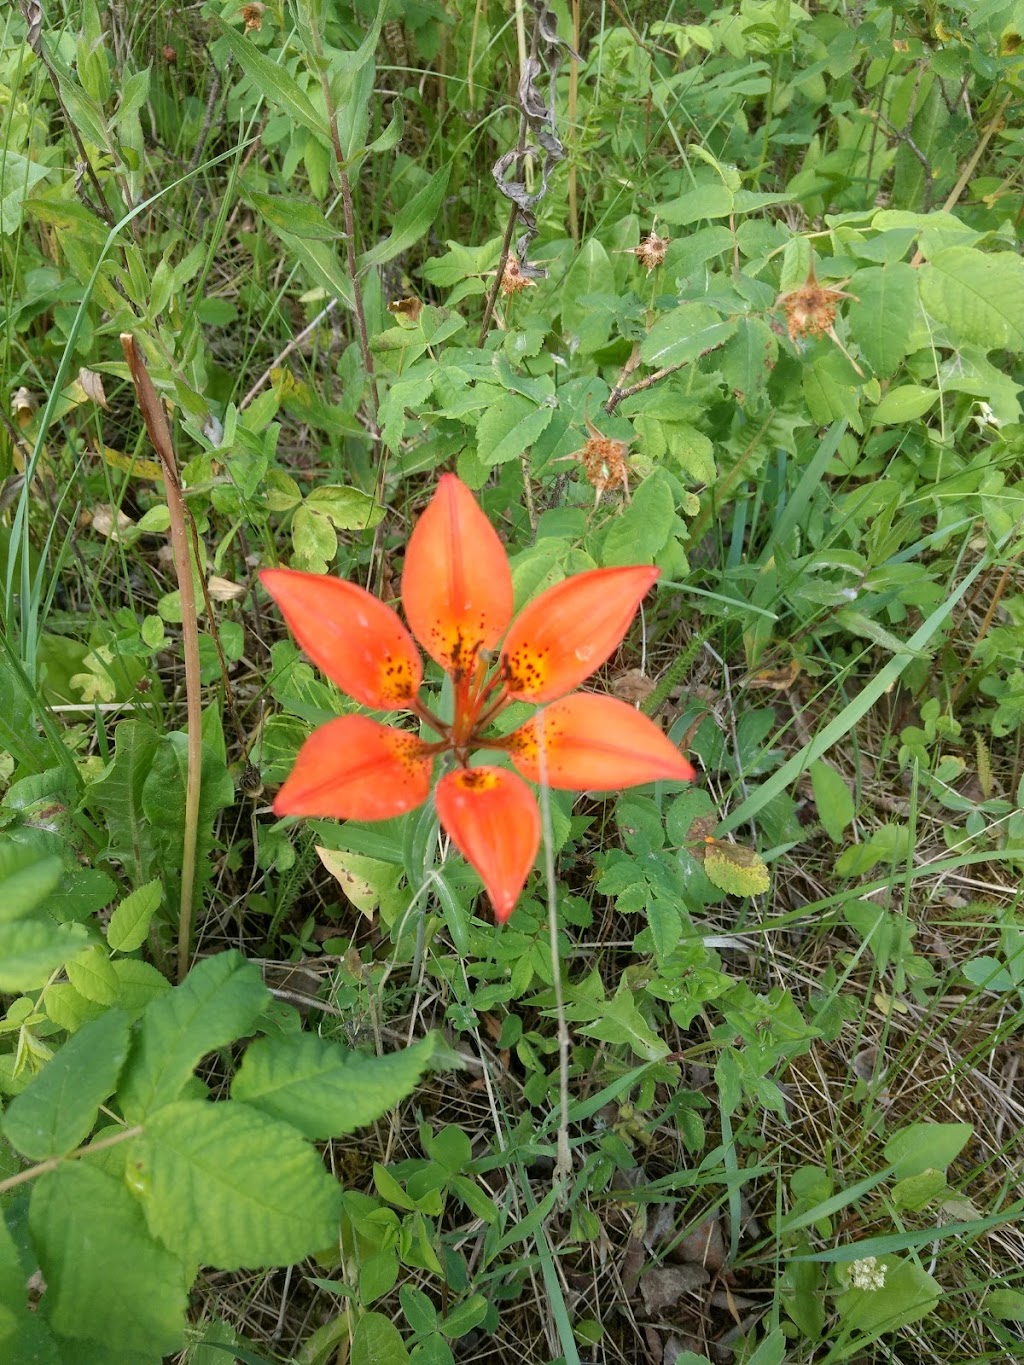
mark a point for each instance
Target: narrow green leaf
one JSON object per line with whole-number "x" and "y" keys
{"x": 321, "y": 263}
{"x": 412, "y": 221}
{"x": 56, "y": 1112}
{"x": 326, "y": 1090}
{"x": 116, "y": 799}
{"x": 129, "y": 924}
{"x": 299, "y": 217}
{"x": 225, "y": 1186}
{"x": 106, "y": 1279}
{"x": 219, "y": 1001}
{"x": 273, "y": 82}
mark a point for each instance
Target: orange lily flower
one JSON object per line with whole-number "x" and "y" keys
{"x": 457, "y": 595}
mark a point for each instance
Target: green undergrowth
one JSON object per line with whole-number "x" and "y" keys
{"x": 766, "y": 334}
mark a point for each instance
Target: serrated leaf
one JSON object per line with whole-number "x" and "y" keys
{"x": 412, "y": 221}
{"x": 644, "y": 526}
{"x": 273, "y": 82}
{"x": 883, "y": 322}
{"x": 377, "y": 1341}
{"x": 684, "y": 335}
{"x": 218, "y": 1002}
{"x": 735, "y": 869}
{"x": 833, "y": 800}
{"x": 137, "y": 984}
{"x": 106, "y": 1279}
{"x": 163, "y": 804}
{"x": 326, "y": 1090}
{"x": 31, "y": 949}
{"x": 349, "y": 509}
{"x": 748, "y": 358}
{"x": 509, "y": 428}
{"x": 92, "y": 975}
{"x": 129, "y": 924}
{"x": 116, "y": 799}
{"x": 56, "y": 1112}
{"x": 226, "y": 1186}
{"x": 977, "y": 295}
{"x": 26, "y": 880}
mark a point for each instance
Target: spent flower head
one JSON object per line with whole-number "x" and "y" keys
{"x": 457, "y": 595}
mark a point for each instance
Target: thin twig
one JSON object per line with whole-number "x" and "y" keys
{"x": 160, "y": 436}
{"x": 51, "y": 1164}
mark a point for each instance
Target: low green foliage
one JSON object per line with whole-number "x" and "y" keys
{"x": 763, "y": 330}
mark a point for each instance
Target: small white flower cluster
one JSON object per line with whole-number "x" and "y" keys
{"x": 867, "y": 1273}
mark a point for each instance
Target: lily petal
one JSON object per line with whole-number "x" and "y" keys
{"x": 352, "y": 636}
{"x": 595, "y": 743}
{"x": 567, "y": 632}
{"x": 494, "y": 822}
{"x": 354, "y": 768}
{"x": 456, "y": 584}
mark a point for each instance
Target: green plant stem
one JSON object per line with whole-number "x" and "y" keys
{"x": 160, "y": 436}
{"x": 51, "y": 1164}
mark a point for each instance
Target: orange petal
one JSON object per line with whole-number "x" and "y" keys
{"x": 354, "y": 768}
{"x": 595, "y": 743}
{"x": 494, "y": 822}
{"x": 350, "y": 635}
{"x": 567, "y": 632}
{"x": 456, "y": 585}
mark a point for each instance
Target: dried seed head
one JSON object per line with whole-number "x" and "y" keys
{"x": 651, "y": 251}
{"x": 253, "y": 13}
{"x": 810, "y": 310}
{"x": 513, "y": 281}
{"x": 605, "y": 462}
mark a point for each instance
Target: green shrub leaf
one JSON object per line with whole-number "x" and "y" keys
{"x": 226, "y": 1186}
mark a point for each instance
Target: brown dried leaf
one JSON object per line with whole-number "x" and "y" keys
{"x": 223, "y": 590}
{"x": 665, "y": 1286}
{"x": 633, "y": 686}
{"x": 92, "y": 383}
{"x": 106, "y": 522}
{"x": 704, "y": 1245}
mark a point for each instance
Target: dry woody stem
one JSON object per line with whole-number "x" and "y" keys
{"x": 160, "y": 436}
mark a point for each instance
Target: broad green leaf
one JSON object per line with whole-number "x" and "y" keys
{"x": 107, "y": 1281}
{"x": 30, "y": 949}
{"x": 1005, "y": 1304}
{"x": 137, "y": 984}
{"x": 129, "y": 924}
{"x": 226, "y": 1186}
{"x": 413, "y": 221}
{"x": 26, "y": 879}
{"x": 68, "y": 1008}
{"x": 163, "y": 802}
{"x": 590, "y": 273}
{"x": 348, "y": 509}
{"x": 273, "y": 82}
{"x": 92, "y": 975}
{"x": 748, "y": 358}
{"x": 883, "y": 321}
{"x": 377, "y": 1341}
{"x": 57, "y": 1111}
{"x": 644, "y": 525}
{"x": 830, "y": 396}
{"x": 365, "y": 881}
{"x": 17, "y": 176}
{"x": 622, "y": 1022}
{"x": 908, "y": 1293}
{"x": 299, "y": 217}
{"x": 833, "y": 799}
{"x": 219, "y": 1001}
{"x": 509, "y": 428}
{"x": 116, "y": 799}
{"x": 706, "y": 201}
{"x": 314, "y": 539}
{"x": 925, "y": 1146}
{"x": 978, "y": 295}
{"x": 464, "y": 1317}
{"x": 326, "y": 1090}
{"x": 685, "y": 334}
{"x": 905, "y": 403}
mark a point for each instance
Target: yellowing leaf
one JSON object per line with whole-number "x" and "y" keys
{"x": 365, "y": 881}
{"x": 138, "y": 469}
{"x": 735, "y": 869}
